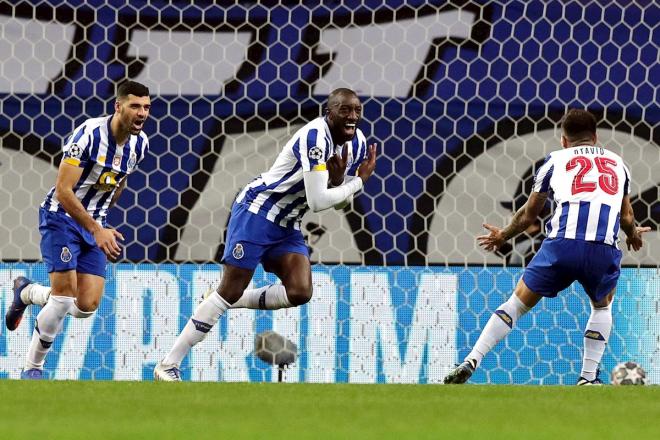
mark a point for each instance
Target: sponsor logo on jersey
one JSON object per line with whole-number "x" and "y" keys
{"x": 593, "y": 334}
{"x": 238, "y": 251}
{"x": 65, "y": 256}
{"x": 315, "y": 153}
{"x": 504, "y": 316}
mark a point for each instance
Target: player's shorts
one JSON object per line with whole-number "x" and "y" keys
{"x": 65, "y": 245}
{"x": 253, "y": 239}
{"x": 560, "y": 261}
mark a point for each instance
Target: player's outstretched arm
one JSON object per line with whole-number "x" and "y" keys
{"x": 106, "y": 238}
{"x": 522, "y": 219}
{"x": 633, "y": 233}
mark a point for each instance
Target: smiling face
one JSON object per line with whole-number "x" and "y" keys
{"x": 343, "y": 114}
{"x": 132, "y": 112}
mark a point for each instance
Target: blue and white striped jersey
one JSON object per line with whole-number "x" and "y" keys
{"x": 279, "y": 193}
{"x": 104, "y": 163}
{"x": 588, "y": 185}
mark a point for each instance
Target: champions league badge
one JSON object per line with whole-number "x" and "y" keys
{"x": 132, "y": 160}
{"x": 75, "y": 151}
{"x": 238, "y": 252}
{"x": 65, "y": 256}
{"x": 315, "y": 153}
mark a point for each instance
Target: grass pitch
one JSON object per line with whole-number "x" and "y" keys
{"x": 145, "y": 410}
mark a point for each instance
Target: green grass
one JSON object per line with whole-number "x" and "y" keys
{"x": 143, "y": 410}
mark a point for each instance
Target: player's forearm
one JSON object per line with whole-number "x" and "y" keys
{"x": 75, "y": 209}
{"x": 521, "y": 221}
{"x": 627, "y": 223}
{"x": 320, "y": 198}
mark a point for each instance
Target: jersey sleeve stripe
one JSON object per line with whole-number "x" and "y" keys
{"x": 76, "y": 137}
{"x": 545, "y": 184}
{"x": 626, "y": 184}
{"x": 91, "y": 153}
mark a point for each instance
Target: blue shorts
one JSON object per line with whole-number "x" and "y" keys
{"x": 253, "y": 239}
{"x": 65, "y": 245}
{"x": 561, "y": 261}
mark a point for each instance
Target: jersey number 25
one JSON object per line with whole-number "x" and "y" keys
{"x": 607, "y": 180}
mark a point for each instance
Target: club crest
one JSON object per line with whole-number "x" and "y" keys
{"x": 132, "y": 161}
{"x": 65, "y": 256}
{"x": 238, "y": 252}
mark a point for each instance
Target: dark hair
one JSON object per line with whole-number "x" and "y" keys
{"x": 578, "y": 124}
{"x": 132, "y": 88}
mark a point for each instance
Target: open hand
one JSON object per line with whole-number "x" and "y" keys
{"x": 635, "y": 242}
{"x": 106, "y": 239}
{"x": 492, "y": 241}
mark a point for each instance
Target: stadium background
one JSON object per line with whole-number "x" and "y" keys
{"x": 463, "y": 98}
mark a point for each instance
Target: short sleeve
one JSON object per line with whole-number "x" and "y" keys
{"x": 312, "y": 151}
{"x": 626, "y": 183}
{"x": 543, "y": 176}
{"x": 76, "y": 148}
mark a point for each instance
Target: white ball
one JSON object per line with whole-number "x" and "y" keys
{"x": 628, "y": 373}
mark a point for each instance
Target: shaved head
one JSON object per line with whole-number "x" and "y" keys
{"x": 337, "y": 95}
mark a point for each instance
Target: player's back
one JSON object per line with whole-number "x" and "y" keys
{"x": 588, "y": 185}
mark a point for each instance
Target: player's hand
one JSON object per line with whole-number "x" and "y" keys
{"x": 368, "y": 165}
{"x": 336, "y": 166}
{"x": 106, "y": 239}
{"x": 494, "y": 240}
{"x": 635, "y": 242}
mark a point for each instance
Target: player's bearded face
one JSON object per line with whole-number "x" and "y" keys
{"x": 343, "y": 117}
{"x": 133, "y": 112}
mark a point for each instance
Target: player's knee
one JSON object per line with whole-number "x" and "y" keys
{"x": 299, "y": 295}
{"x": 229, "y": 293}
{"x": 87, "y": 304}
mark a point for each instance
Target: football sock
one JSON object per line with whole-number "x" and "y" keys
{"x": 48, "y": 325}
{"x": 266, "y": 298}
{"x": 498, "y": 327}
{"x": 35, "y": 294}
{"x": 197, "y": 327}
{"x": 77, "y": 313}
{"x": 596, "y": 335}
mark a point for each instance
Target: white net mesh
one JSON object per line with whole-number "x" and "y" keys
{"x": 462, "y": 97}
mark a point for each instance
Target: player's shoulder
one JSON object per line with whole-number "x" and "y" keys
{"x": 318, "y": 124}
{"x": 143, "y": 138}
{"x": 315, "y": 131}
{"x": 93, "y": 123}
